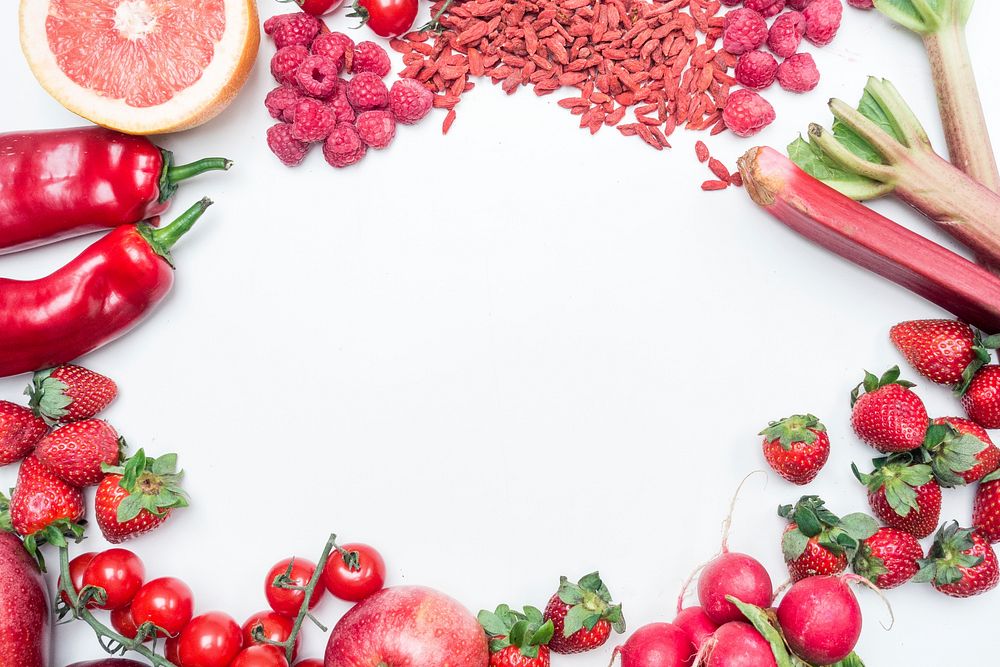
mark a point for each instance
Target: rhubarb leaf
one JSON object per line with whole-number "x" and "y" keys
{"x": 926, "y": 16}
{"x": 812, "y": 160}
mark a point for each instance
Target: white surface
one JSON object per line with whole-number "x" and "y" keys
{"x": 504, "y": 355}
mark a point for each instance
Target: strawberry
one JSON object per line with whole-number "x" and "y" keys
{"x": 76, "y": 452}
{"x": 889, "y": 558}
{"x": 516, "y": 639}
{"x": 583, "y": 615}
{"x": 69, "y": 393}
{"x": 817, "y": 541}
{"x": 943, "y": 351}
{"x": 42, "y": 508}
{"x": 796, "y": 447}
{"x": 888, "y": 416}
{"x": 137, "y": 497}
{"x": 961, "y": 563}
{"x": 986, "y": 508}
{"x": 960, "y": 451}
{"x": 903, "y": 494}
{"x": 20, "y": 431}
{"x": 982, "y": 399}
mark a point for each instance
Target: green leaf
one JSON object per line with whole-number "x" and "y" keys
{"x": 807, "y": 521}
{"x": 575, "y": 619}
{"x": 907, "y": 15}
{"x": 543, "y": 635}
{"x": 760, "y": 620}
{"x": 859, "y": 525}
{"x": 992, "y": 477}
{"x": 812, "y": 160}
{"x": 491, "y": 623}
{"x": 164, "y": 465}
{"x": 518, "y": 632}
{"x": 793, "y": 544}
{"x": 129, "y": 508}
{"x": 850, "y": 661}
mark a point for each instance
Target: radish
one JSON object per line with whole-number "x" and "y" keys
{"x": 656, "y": 645}
{"x": 821, "y": 618}
{"x": 737, "y": 644}
{"x": 696, "y": 623}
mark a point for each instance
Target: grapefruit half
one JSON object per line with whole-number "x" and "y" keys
{"x": 141, "y": 66}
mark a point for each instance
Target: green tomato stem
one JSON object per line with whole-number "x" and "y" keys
{"x": 289, "y": 644}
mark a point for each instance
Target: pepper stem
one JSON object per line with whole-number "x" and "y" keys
{"x": 182, "y": 172}
{"x": 162, "y": 239}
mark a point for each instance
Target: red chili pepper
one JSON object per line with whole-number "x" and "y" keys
{"x": 60, "y": 183}
{"x": 99, "y": 296}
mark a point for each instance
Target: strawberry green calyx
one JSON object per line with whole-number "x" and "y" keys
{"x": 866, "y": 564}
{"x": 982, "y": 354}
{"x": 797, "y": 428}
{"x": 152, "y": 484}
{"x": 47, "y": 397}
{"x": 527, "y": 631}
{"x": 946, "y": 556}
{"x": 56, "y": 533}
{"x": 872, "y": 383}
{"x": 589, "y": 601}
{"x": 838, "y": 535}
{"x": 900, "y": 477}
{"x": 950, "y": 453}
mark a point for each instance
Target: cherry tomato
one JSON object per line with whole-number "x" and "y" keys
{"x": 119, "y": 572}
{"x": 310, "y": 662}
{"x": 277, "y": 628}
{"x": 260, "y": 655}
{"x": 286, "y": 601}
{"x": 76, "y": 569}
{"x": 319, "y": 7}
{"x": 387, "y": 18}
{"x": 165, "y": 602}
{"x": 209, "y": 640}
{"x": 355, "y": 584}
{"x": 170, "y": 651}
{"x": 121, "y": 621}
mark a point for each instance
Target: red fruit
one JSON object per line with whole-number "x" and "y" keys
{"x": 318, "y": 7}
{"x": 889, "y": 558}
{"x": 24, "y": 608}
{"x": 410, "y": 101}
{"x": 943, "y": 351}
{"x": 335, "y": 45}
{"x": 370, "y": 57}
{"x": 982, "y": 399}
{"x": 295, "y": 572}
{"x": 317, "y": 75}
{"x": 798, "y": 74}
{"x": 354, "y": 571}
{"x": 888, "y": 416}
{"x": 344, "y": 146}
{"x": 744, "y": 30}
{"x": 820, "y": 619}
{"x": 747, "y": 113}
{"x": 313, "y": 121}
{"x": 576, "y": 631}
{"x": 260, "y": 656}
{"x": 293, "y": 29}
{"x": 123, "y": 623}
{"x": 285, "y": 63}
{"x": 960, "y": 453}
{"x": 77, "y": 566}
{"x": 656, "y": 645}
{"x": 281, "y": 102}
{"x": 70, "y": 393}
{"x": 903, "y": 494}
{"x": 41, "y": 500}
{"x": 282, "y": 142}
{"x": 166, "y": 603}
{"x": 861, "y": 4}
{"x": 961, "y": 563}
{"x": 786, "y": 34}
{"x": 736, "y": 575}
{"x": 20, "y": 431}
{"x": 136, "y": 498}
{"x": 817, "y": 541}
{"x": 386, "y": 18}
{"x": 408, "y": 625}
{"x": 756, "y": 69}
{"x": 367, "y": 91}
{"x": 822, "y": 20}
{"x": 76, "y": 452}
{"x": 119, "y": 572}
{"x": 209, "y": 640}
{"x": 696, "y": 624}
{"x": 525, "y": 647}
{"x": 796, "y": 448}
{"x": 766, "y": 8}
{"x": 376, "y": 128}
{"x": 986, "y": 508}
{"x": 272, "y": 626}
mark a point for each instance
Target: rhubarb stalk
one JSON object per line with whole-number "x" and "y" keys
{"x": 881, "y": 147}
{"x": 870, "y": 240}
{"x": 941, "y": 24}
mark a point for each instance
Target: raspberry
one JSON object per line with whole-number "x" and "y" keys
{"x": 727, "y": 3}
{"x": 342, "y": 109}
{"x": 283, "y": 143}
{"x": 823, "y": 20}
{"x": 766, "y": 8}
{"x": 747, "y": 113}
{"x": 313, "y": 120}
{"x": 285, "y": 63}
{"x": 272, "y": 23}
{"x": 786, "y": 34}
{"x": 367, "y": 91}
{"x": 410, "y": 100}
{"x": 370, "y": 57}
{"x": 281, "y": 102}
{"x": 861, "y": 4}
{"x": 327, "y": 43}
{"x": 344, "y": 147}
{"x": 798, "y": 74}
{"x": 297, "y": 28}
{"x": 798, "y": 4}
{"x": 744, "y": 31}
{"x": 376, "y": 128}
{"x": 756, "y": 69}
{"x": 317, "y": 76}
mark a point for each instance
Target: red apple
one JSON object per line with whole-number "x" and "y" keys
{"x": 24, "y": 607}
{"x": 408, "y": 626}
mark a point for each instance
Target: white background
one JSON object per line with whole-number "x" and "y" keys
{"x": 504, "y": 355}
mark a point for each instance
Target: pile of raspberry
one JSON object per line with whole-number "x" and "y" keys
{"x": 746, "y": 31}
{"x": 315, "y": 104}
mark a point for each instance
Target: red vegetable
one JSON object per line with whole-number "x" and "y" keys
{"x": 24, "y": 608}
{"x": 386, "y": 18}
{"x": 99, "y": 296}
{"x": 870, "y": 240}
{"x": 60, "y": 183}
